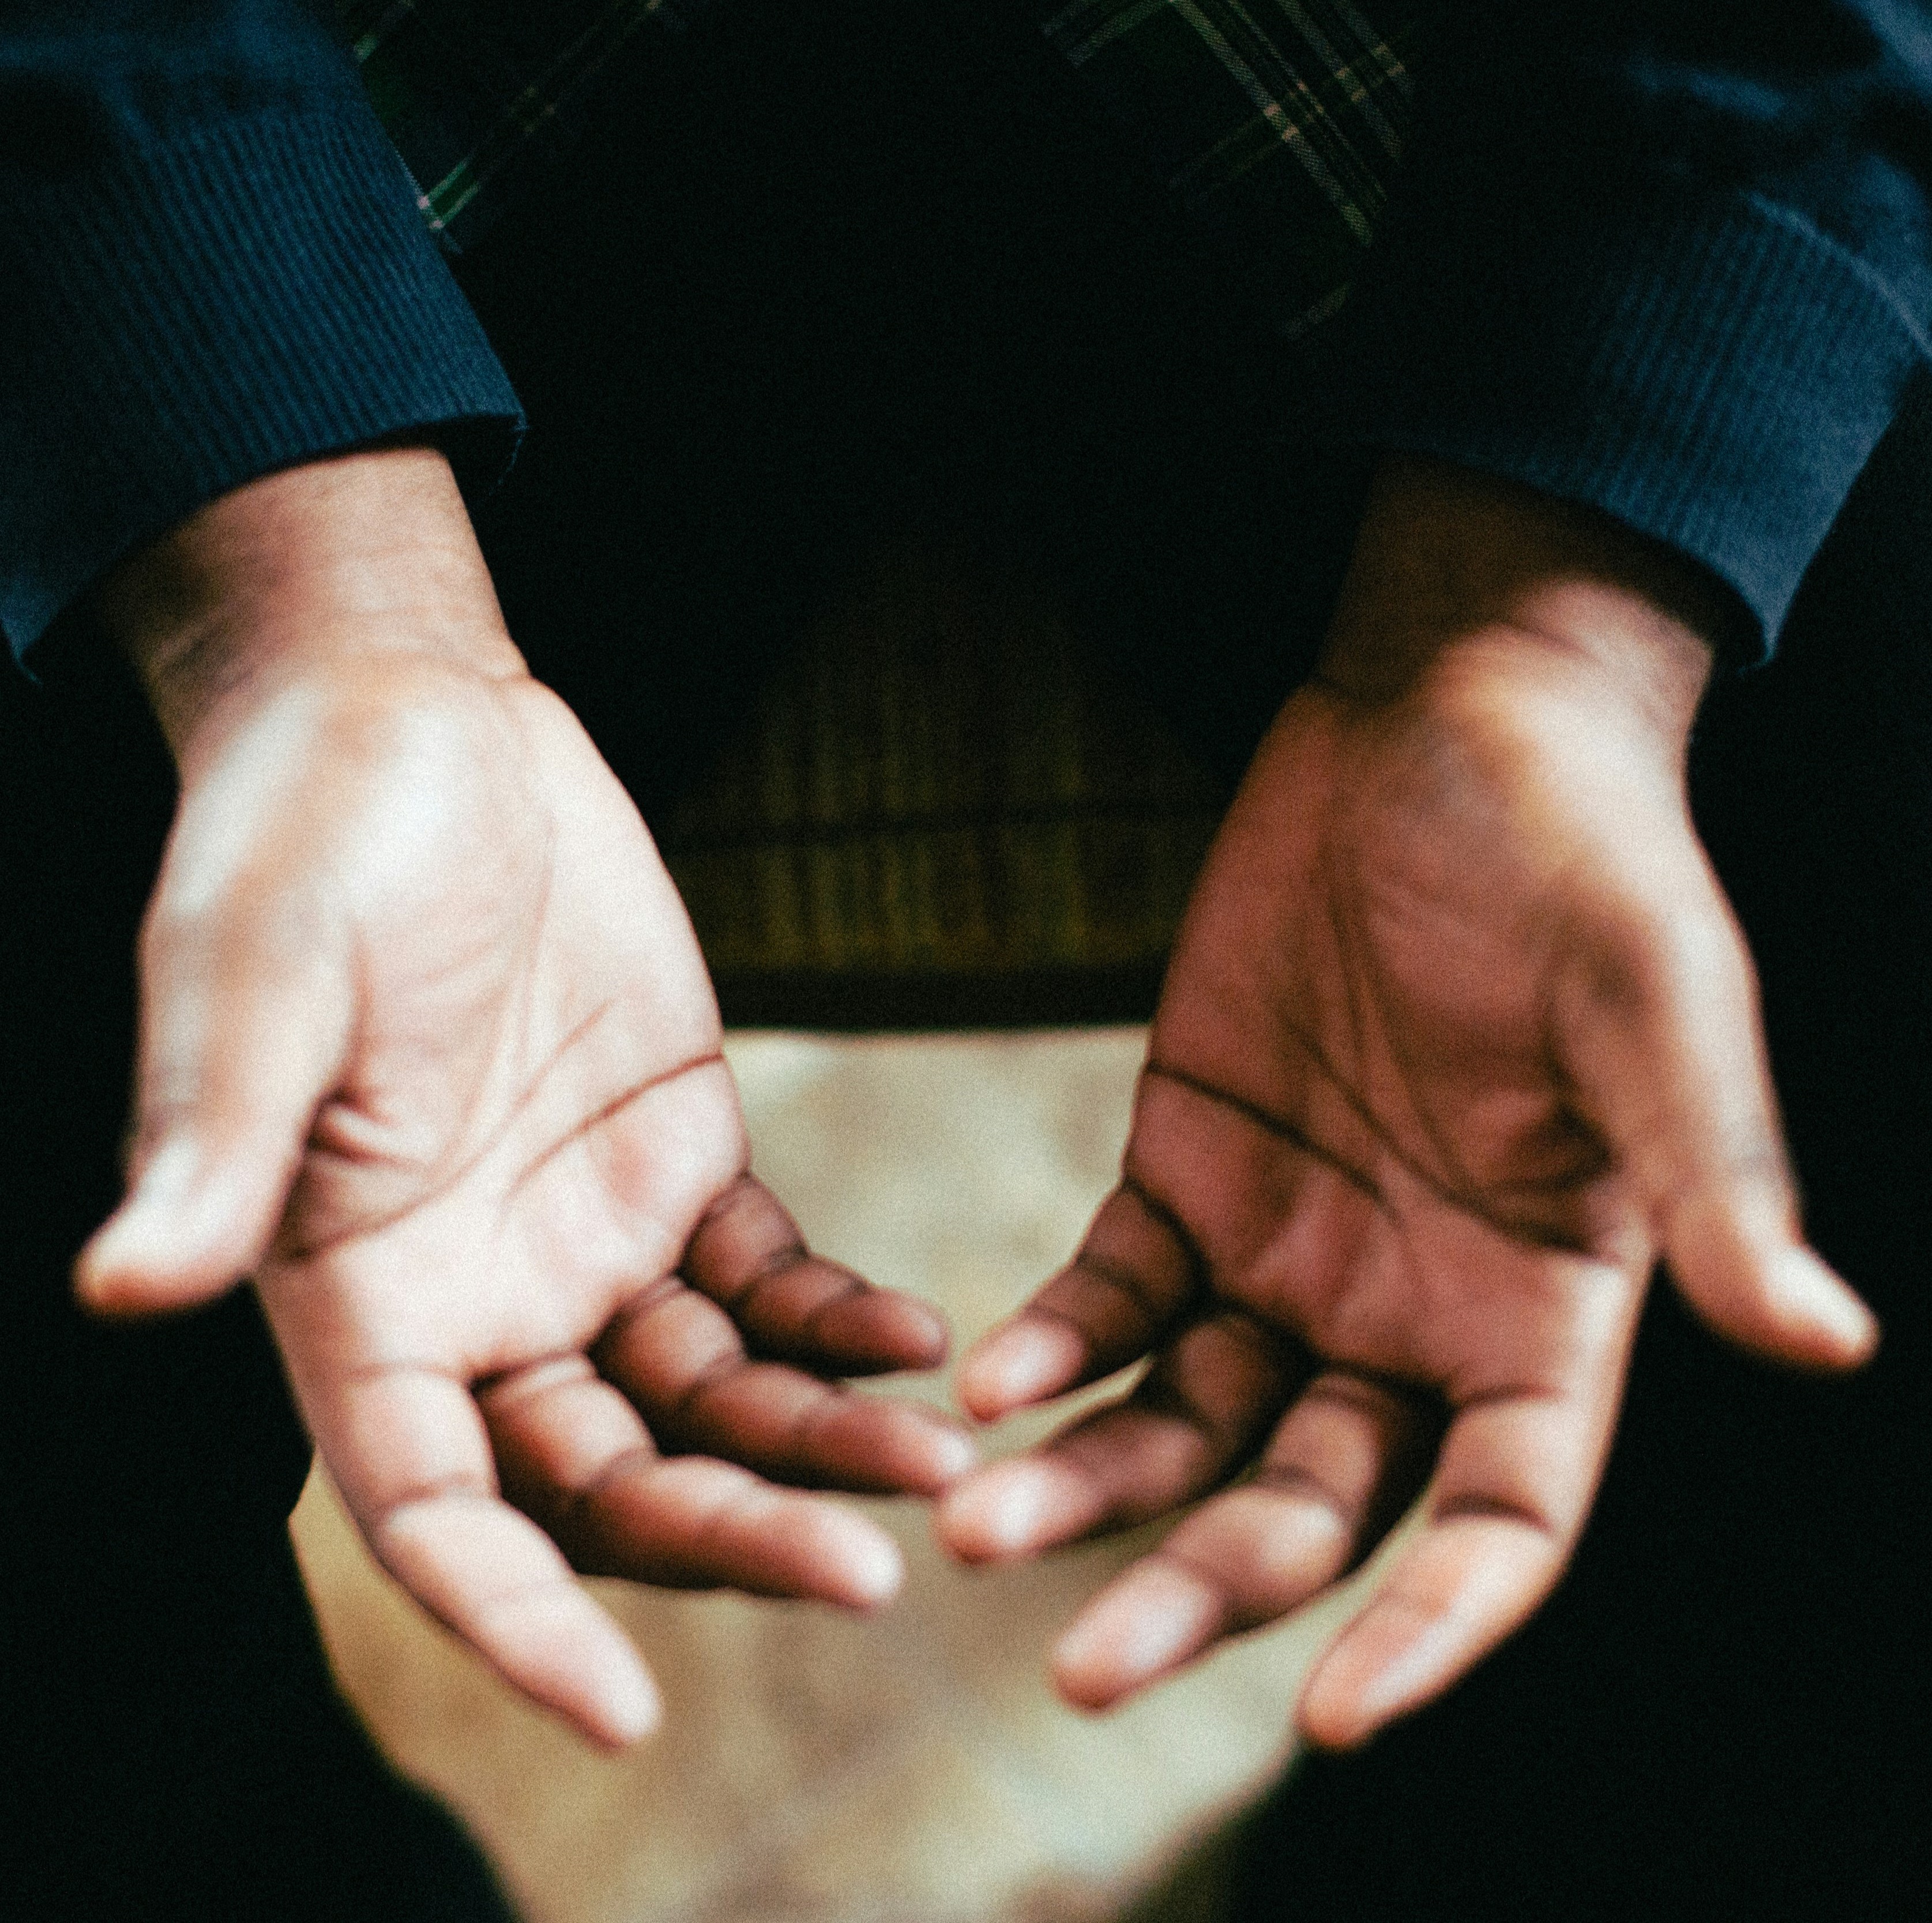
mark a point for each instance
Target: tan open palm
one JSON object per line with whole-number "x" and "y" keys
{"x": 429, "y": 1052}
{"x": 1459, "y": 1038}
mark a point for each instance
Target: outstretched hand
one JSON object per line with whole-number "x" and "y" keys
{"x": 428, "y": 1051}
{"x": 1460, "y": 1039}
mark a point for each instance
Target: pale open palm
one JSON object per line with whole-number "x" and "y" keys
{"x": 1459, "y": 1038}
{"x": 428, "y": 1050}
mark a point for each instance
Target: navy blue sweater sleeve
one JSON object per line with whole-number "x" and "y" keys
{"x": 212, "y": 267}
{"x": 1669, "y": 258}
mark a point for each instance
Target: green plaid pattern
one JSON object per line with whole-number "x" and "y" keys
{"x": 1279, "y": 122}
{"x": 471, "y": 90}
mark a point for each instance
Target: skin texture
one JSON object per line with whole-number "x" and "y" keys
{"x": 428, "y": 1051}
{"x": 1459, "y": 1040}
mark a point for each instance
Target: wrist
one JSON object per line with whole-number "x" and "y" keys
{"x": 334, "y": 567}
{"x": 1458, "y": 575}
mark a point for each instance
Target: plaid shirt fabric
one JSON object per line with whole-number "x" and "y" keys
{"x": 1279, "y": 122}
{"x": 472, "y": 91}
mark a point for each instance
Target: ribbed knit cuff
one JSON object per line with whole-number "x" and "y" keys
{"x": 181, "y": 317}
{"x": 1704, "y": 366}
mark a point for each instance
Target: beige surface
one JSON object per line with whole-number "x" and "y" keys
{"x": 813, "y": 1769}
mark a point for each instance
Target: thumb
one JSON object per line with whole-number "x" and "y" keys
{"x": 245, "y": 1020}
{"x": 1662, "y": 1036}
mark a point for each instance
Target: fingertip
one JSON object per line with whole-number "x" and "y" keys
{"x": 1385, "y": 1663}
{"x": 954, "y": 1454}
{"x": 1022, "y": 1363}
{"x": 180, "y": 1239}
{"x": 591, "y": 1675}
{"x": 926, "y": 1337}
{"x": 839, "y": 1557}
{"x": 1149, "y": 1623}
{"x": 1334, "y": 1712}
{"x": 1091, "y": 1691}
{"x": 984, "y": 1518}
{"x": 872, "y": 1446}
{"x": 871, "y": 1570}
{"x": 1085, "y": 1664}
{"x": 115, "y": 1272}
{"x": 1736, "y": 1259}
{"x": 1010, "y": 1510}
{"x": 116, "y": 1296}
{"x": 561, "y": 1648}
{"x": 125, "y": 1273}
{"x": 1825, "y": 1322}
{"x": 105, "y": 1283}
{"x": 624, "y": 1706}
{"x": 1323, "y": 1722}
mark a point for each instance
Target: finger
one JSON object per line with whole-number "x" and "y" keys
{"x": 1665, "y": 1041}
{"x": 244, "y": 1023}
{"x": 409, "y": 1452}
{"x": 1347, "y": 1459}
{"x": 1512, "y": 1485}
{"x": 500, "y": 1583}
{"x": 679, "y": 1357}
{"x": 749, "y": 1257}
{"x": 1199, "y": 1413}
{"x": 1134, "y": 1275}
{"x": 575, "y": 1456}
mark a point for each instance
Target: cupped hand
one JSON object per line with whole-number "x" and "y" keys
{"x": 427, "y": 1050}
{"x": 1458, "y": 1039}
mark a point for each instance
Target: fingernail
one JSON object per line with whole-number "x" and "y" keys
{"x": 1394, "y": 1685}
{"x": 1805, "y": 1290}
{"x": 1156, "y": 1617}
{"x": 1016, "y": 1365}
{"x": 936, "y": 1333}
{"x": 955, "y": 1454}
{"x": 1001, "y": 1513}
{"x": 621, "y": 1705}
{"x": 1019, "y": 1505}
{"x": 1119, "y": 1647}
{"x": 876, "y": 1570}
{"x": 635, "y": 1709}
